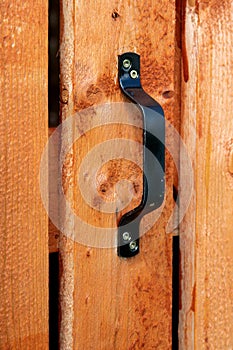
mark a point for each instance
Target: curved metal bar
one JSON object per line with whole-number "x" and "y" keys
{"x": 153, "y": 154}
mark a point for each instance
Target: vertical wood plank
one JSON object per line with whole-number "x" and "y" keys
{"x": 207, "y": 127}
{"x": 23, "y": 133}
{"x": 188, "y": 133}
{"x": 107, "y": 302}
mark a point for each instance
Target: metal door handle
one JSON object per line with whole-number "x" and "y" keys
{"x": 153, "y": 148}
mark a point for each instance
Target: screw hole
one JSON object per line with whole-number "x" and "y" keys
{"x": 115, "y": 14}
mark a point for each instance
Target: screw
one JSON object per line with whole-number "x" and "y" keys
{"x": 126, "y": 63}
{"x": 133, "y": 246}
{"x": 134, "y": 74}
{"x": 126, "y": 236}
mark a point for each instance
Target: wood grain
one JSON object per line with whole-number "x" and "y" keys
{"x": 206, "y": 320}
{"x": 107, "y": 302}
{"x": 23, "y": 133}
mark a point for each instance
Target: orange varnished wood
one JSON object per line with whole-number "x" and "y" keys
{"x": 23, "y": 133}
{"x": 107, "y": 302}
{"x": 207, "y": 128}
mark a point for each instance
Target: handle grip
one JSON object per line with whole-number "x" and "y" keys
{"x": 153, "y": 154}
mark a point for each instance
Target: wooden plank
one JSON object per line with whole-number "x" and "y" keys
{"x": 206, "y": 320}
{"x": 107, "y": 302}
{"x": 23, "y": 133}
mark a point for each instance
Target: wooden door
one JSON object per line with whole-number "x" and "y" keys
{"x": 108, "y": 302}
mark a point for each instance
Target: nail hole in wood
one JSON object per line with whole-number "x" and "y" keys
{"x": 168, "y": 94}
{"x": 115, "y": 14}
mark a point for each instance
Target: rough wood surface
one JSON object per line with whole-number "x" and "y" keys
{"x": 23, "y": 133}
{"x": 206, "y": 317}
{"x": 107, "y": 302}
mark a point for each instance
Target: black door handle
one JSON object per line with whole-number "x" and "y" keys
{"x": 153, "y": 154}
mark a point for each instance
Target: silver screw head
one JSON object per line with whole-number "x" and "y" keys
{"x": 134, "y": 74}
{"x": 126, "y": 63}
{"x": 126, "y": 236}
{"x": 133, "y": 246}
